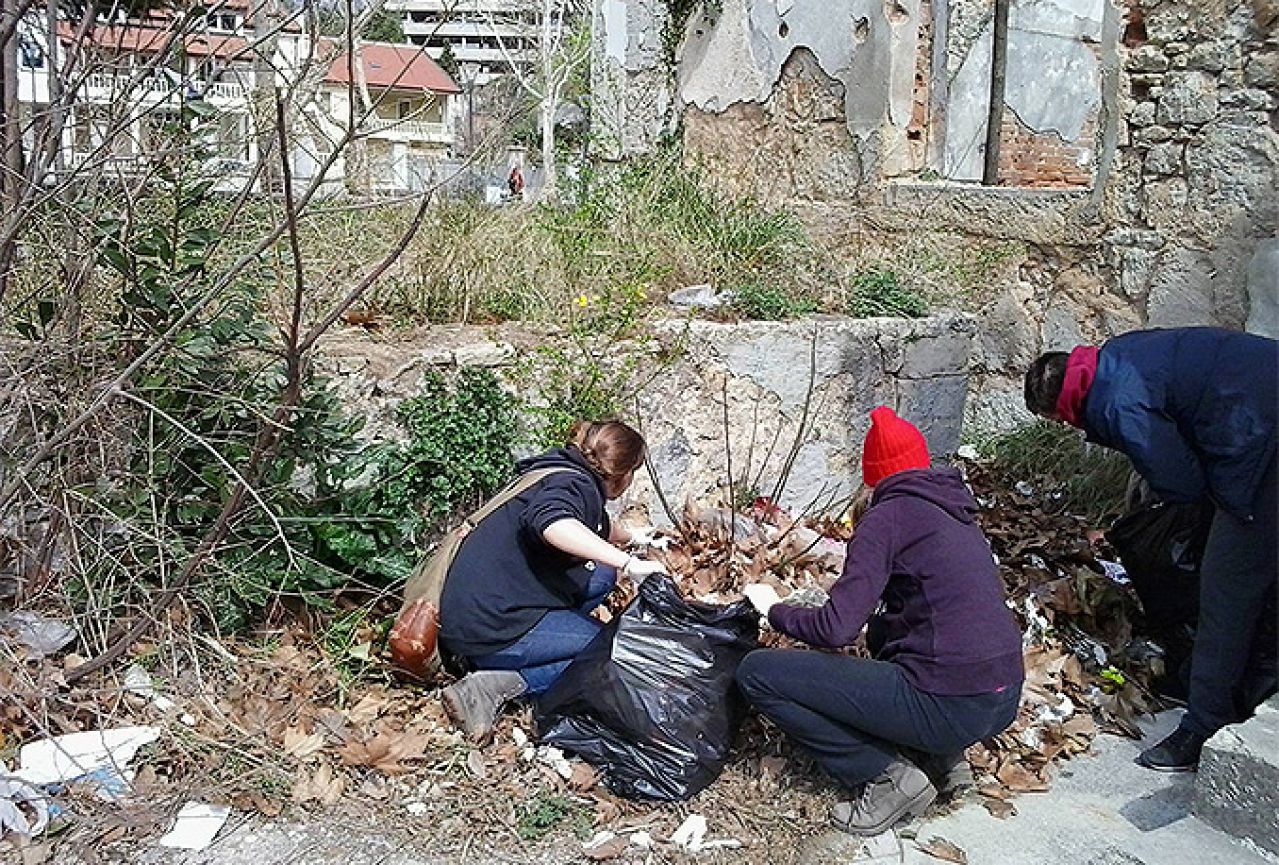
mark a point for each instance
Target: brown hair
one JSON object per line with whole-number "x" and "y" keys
{"x": 611, "y": 448}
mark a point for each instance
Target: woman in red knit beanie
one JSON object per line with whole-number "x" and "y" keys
{"x": 946, "y": 666}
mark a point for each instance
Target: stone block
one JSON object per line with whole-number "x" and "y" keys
{"x": 1147, "y": 58}
{"x": 1188, "y": 97}
{"x": 1142, "y": 114}
{"x": 487, "y": 354}
{"x": 1164, "y": 203}
{"x": 1181, "y": 291}
{"x": 1164, "y": 159}
{"x": 1263, "y": 289}
{"x": 1237, "y": 788}
{"x": 1250, "y": 99}
{"x": 936, "y": 406}
{"x": 1152, "y": 135}
{"x": 1262, "y": 69}
{"x": 1212, "y": 56}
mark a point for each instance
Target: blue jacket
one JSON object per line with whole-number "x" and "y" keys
{"x": 1193, "y": 408}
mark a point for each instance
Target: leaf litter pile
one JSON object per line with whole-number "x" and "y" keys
{"x": 289, "y": 723}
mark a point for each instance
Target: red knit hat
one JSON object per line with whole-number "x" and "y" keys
{"x": 892, "y": 445}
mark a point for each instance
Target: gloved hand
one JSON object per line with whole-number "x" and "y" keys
{"x": 761, "y": 596}
{"x": 641, "y": 569}
{"x": 648, "y": 537}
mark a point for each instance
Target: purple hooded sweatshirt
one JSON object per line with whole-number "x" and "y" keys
{"x": 943, "y": 618}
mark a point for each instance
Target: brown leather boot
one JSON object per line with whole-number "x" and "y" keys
{"x": 901, "y": 790}
{"x": 473, "y": 702}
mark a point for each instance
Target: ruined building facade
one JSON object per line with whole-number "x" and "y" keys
{"x": 1139, "y": 147}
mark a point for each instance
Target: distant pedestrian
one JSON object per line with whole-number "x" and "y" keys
{"x": 946, "y": 663}
{"x": 1195, "y": 410}
{"x": 515, "y": 181}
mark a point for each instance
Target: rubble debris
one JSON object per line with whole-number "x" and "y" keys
{"x": 37, "y": 635}
{"x": 24, "y": 810}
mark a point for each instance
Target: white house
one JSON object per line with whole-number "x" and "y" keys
{"x": 126, "y": 108}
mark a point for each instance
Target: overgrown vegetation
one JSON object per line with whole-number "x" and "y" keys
{"x": 537, "y": 818}
{"x": 1082, "y": 478}
{"x": 881, "y": 293}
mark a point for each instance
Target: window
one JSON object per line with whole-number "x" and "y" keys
{"x": 30, "y": 54}
{"x": 404, "y": 109}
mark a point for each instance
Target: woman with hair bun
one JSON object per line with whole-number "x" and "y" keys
{"x": 517, "y": 601}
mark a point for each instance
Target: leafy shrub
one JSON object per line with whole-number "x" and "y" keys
{"x": 769, "y": 302}
{"x": 880, "y": 293}
{"x": 536, "y": 819}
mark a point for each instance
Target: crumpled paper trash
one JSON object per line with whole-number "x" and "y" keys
{"x": 40, "y": 636}
{"x": 24, "y": 810}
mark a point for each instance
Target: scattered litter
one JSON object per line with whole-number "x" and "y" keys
{"x": 415, "y": 807}
{"x": 967, "y": 452}
{"x": 24, "y": 810}
{"x": 195, "y": 826}
{"x": 551, "y": 756}
{"x": 1024, "y": 488}
{"x": 40, "y": 636}
{"x": 702, "y": 296}
{"x": 519, "y": 737}
{"x": 641, "y": 839}
{"x": 691, "y": 833}
{"x": 74, "y": 755}
{"x": 885, "y": 844}
{"x": 1058, "y": 713}
{"x": 1117, "y": 573}
{"x": 138, "y": 681}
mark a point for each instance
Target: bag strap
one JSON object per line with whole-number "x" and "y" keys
{"x": 513, "y": 489}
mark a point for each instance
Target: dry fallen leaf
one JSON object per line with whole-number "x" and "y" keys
{"x": 385, "y": 752}
{"x": 583, "y": 778}
{"x": 610, "y": 849}
{"x": 940, "y": 848}
{"x": 297, "y": 743}
{"x": 320, "y": 785}
{"x": 475, "y": 763}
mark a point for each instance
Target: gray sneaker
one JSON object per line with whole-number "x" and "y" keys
{"x": 473, "y": 702}
{"x": 950, "y": 773}
{"x": 901, "y": 790}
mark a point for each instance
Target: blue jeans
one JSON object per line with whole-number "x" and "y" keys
{"x": 544, "y": 652}
{"x": 852, "y": 714}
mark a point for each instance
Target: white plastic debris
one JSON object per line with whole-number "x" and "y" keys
{"x": 967, "y": 452}
{"x": 138, "y": 681}
{"x": 1117, "y": 573}
{"x": 519, "y": 737}
{"x": 415, "y": 807}
{"x": 1058, "y": 713}
{"x": 599, "y": 839}
{"x": 641, "y": 839}
{"x": 66, "y": 758}
{"x": 196, "y": 826}
{"x": 1024, "y": 488}
{"x": 24, "y": 810}
{"x": 38, "y": 635}
{"x": 691, "y": 833}
{"x": 554, "y": 757}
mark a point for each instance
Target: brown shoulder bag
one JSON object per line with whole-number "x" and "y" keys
{"x": 415, "y": 634}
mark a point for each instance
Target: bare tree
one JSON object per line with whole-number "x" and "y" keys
{"x": 545, "y": 44}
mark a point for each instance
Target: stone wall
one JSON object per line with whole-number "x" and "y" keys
{"x": 763, "y": 369}
{"x": 1157, "y": 121}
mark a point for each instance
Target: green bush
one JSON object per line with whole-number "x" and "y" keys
{"x": 880, "y": 293}
{"x": 770, "y": 302}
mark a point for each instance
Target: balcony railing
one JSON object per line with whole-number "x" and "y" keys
{"x": 111, "y": 86}
{"x": 414, "y": 130}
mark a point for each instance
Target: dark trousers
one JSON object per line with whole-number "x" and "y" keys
{"x": 852, "y": 714}
{"x": 545, "y": 650}
{"x": 1239, "y": 571}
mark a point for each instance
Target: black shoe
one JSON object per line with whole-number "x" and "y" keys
{"x": 1179, "y": 752}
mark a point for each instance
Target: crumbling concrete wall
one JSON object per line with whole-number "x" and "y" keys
{"x": 762, "y": 370}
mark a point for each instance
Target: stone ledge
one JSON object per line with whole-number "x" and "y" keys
{"x": 1237, "y": 790}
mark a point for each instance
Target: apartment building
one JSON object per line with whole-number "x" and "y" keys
{"x": 484, "y": 36}
{"x": 137, "y": 76}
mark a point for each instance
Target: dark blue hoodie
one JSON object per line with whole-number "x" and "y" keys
{"x": 943, "y": 619}
{"x": 505, "y": 576}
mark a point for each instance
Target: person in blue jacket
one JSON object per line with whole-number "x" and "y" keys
{"x": 517, "y": 600}
{"x": 1195, "y": 410}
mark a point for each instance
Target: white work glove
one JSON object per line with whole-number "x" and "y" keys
{"x": 648, "y": 537}
{"x": 640, "y": 570}
{"x": 761, "y": 596}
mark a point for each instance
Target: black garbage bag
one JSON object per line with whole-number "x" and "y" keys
{"x": 651, "y": 702}
{"x": 1161, "y": 546}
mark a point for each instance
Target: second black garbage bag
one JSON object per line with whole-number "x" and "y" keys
{"x": 652, "y": 702}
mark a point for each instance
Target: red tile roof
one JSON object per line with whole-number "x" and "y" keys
{"x": 133, "y": 38}
{"x": 395, "y": 67}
